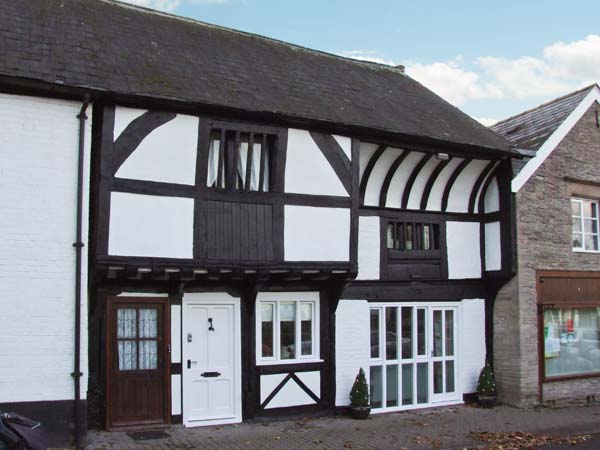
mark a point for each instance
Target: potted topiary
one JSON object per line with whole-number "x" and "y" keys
{"x": 486, "y": 387}
{"x": 359, "y": 397}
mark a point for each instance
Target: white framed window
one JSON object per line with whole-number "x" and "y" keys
{"x": 287, "y": 327}
{"x": 584, "y": 218}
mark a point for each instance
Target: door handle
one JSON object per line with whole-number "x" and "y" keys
{"x": 190, "y": 362}
{"x": 210, "y": 374}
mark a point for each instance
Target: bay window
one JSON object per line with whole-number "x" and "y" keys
{"x": 287, "y": 328}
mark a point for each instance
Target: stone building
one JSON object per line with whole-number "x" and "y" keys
{"x": 547, "y": 318}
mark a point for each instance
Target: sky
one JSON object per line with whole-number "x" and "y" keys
{"x": 490, "y": 59}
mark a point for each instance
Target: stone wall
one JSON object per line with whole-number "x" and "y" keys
{"x": 544, "y": 243}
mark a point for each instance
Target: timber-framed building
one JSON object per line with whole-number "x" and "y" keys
{"x": 252, "y": 223}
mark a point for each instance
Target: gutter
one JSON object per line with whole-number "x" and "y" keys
{"x": 78, "y": 245}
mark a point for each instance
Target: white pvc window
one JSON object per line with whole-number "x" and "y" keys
{"x": 287, "y": 329}
{"x": 584, "y": 219}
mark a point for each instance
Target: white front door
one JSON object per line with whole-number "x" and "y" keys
{"x": 210, "y": 363}
{"x": 443, "y": 354}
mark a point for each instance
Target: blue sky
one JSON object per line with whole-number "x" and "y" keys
{"x": 491, "y": 59}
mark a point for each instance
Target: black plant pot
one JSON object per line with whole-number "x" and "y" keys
{"x": 360, "y": 412}
{"x": 487, "y": 401}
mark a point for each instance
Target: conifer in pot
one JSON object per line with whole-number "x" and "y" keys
{"x": 359, "y": 397}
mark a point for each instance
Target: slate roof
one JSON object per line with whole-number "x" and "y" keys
{"x": 530, "y": 129}
{"x": 106, "y": 46}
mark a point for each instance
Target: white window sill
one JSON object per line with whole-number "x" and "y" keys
{"x": 580, "y": 250}
{"x": 288, "y": 361}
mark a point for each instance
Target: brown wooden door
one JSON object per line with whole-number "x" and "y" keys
{"x": 137, "y": 390}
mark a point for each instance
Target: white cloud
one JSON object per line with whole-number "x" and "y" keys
{"x": 561, "y": 68}
{"x": 169, "y": 5}
{"x": 486, "y": 121}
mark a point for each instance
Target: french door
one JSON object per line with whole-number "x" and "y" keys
{"x": 413, "y": 355}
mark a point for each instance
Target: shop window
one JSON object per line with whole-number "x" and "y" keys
{"x": 571, "y": 341}
{"x": 584, "y": 219}
{"x": 240, "y": 160}
{"x": 287, "y": 329}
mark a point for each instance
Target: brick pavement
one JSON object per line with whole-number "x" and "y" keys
{"x": 442, "y": 428}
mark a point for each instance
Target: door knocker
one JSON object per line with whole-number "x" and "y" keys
{"x": 210, "y": 327}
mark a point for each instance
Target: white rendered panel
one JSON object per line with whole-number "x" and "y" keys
{"x": 493, "y": 250}
{"x": 291, "y": 394}
{"x": 175, "y": 333}
{"x": 268, "y": 383}
{"x": 167, "y": 154}
{"x": 483, "y": 184}
{"x": 316, "y": 234}
{"x": 123, "y": 117}
{"x": 434, "y": 203}
{"x": 462, "y": 241}
{"x": 352, "y": 346}
{"x": 492, "y": 197}
{"x": 458, "y": 200}
{"x": 307, "y": 171}
{"x": 472, "y": 338}
{"x": 378, "y": 174}
{"x": 366, "y": 151}
{"x": 175, "y": 394}
{"x": 398, "y": 183}
{"x": 39, "y": 139}
{"x": 147, "y": 225}
{"x": 368, "y": 248}
{"x": 311, "y": 380}
{"x": 414, "y": 201}
{"x": 345, "y": 143}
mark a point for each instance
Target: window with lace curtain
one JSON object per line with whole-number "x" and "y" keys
{"x": 240, "y": 160}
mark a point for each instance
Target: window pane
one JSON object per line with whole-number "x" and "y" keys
{"x": 422, "y": 382}
{"x": 587, "y": 209}
{"x": 375, "y": 382}
{"x": 576, "y": 225}
{"x": 571, "y": 341}
{"x": 575, "y": 208}
{"x": 421, "y": 332}
{"x": 407, "y": 340}
{"x": 213, "y": 160}
{"x": 590, "y": 226}
{"x": 306, "y": 328}
{"x": 591, "y": 242}
{"x": 148, "y": 356}
{"x": 127, "y": 355}
{"x": 449, "y": 333}
{"x": 391, "y": 333}
{"x": 242, "y": 162}
{"x": 408, "y": 245}
{"x": 148, "y": 325}
{"x": 126, "y": 323}
{"x": 438, "y": 377}
{"x": 375, "y": 333}
{"x": 266, "y": 322}
{"x": 407, "y": 384}
{"x": 437, "y": 333}
{"x": 577, "y": 240}
{"x": 287, "y": 330}
{"x": 449, "y": 376}
{"x": 390, "y": 235}
{"x": 255, "y": 165}
{"x": 426, "y": 238}
{"x": 595, "y": 210}
{"x": 391, "y": 383}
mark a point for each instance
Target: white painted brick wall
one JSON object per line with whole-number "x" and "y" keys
{"x": 368, "y": 248}
{"x": 38, "y": 189}
{"x": 352, "y": 345}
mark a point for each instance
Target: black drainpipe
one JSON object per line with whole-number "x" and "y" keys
{"x": 78, "y": 247}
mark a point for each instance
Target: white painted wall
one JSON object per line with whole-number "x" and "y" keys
{"x": 352, "y": 346}
{"x": 167, "y": 154}
{"x": 150, "y": 225}
{"x": 462, "y": 241}
{"x": 175, "y": 333}
{"x": 493, "y": 250}
{"x": 398, "y": 182}
{"x": 437, "y": 190}
{"x": 414, "y": 201}
{"x": 472, "y": 343}
{"x": 368, "y": 248}
{"x": 380, "y": 170}
{"x": 458, "y": 200}
{"x": 307, "y": 171}
{"x": 345, "y": 143}
{"x": 316, "y": 234}
{"x": 366, "y": 151}
{"x": 291, "y": 394}
{"x": 492, "y": 197}
{"x": 175, "y": 394}
{"x": 38, "y": 190}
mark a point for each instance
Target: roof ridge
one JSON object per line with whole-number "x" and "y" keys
{"x": 542, "y": 105}
{"x": 370, "y": 64}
